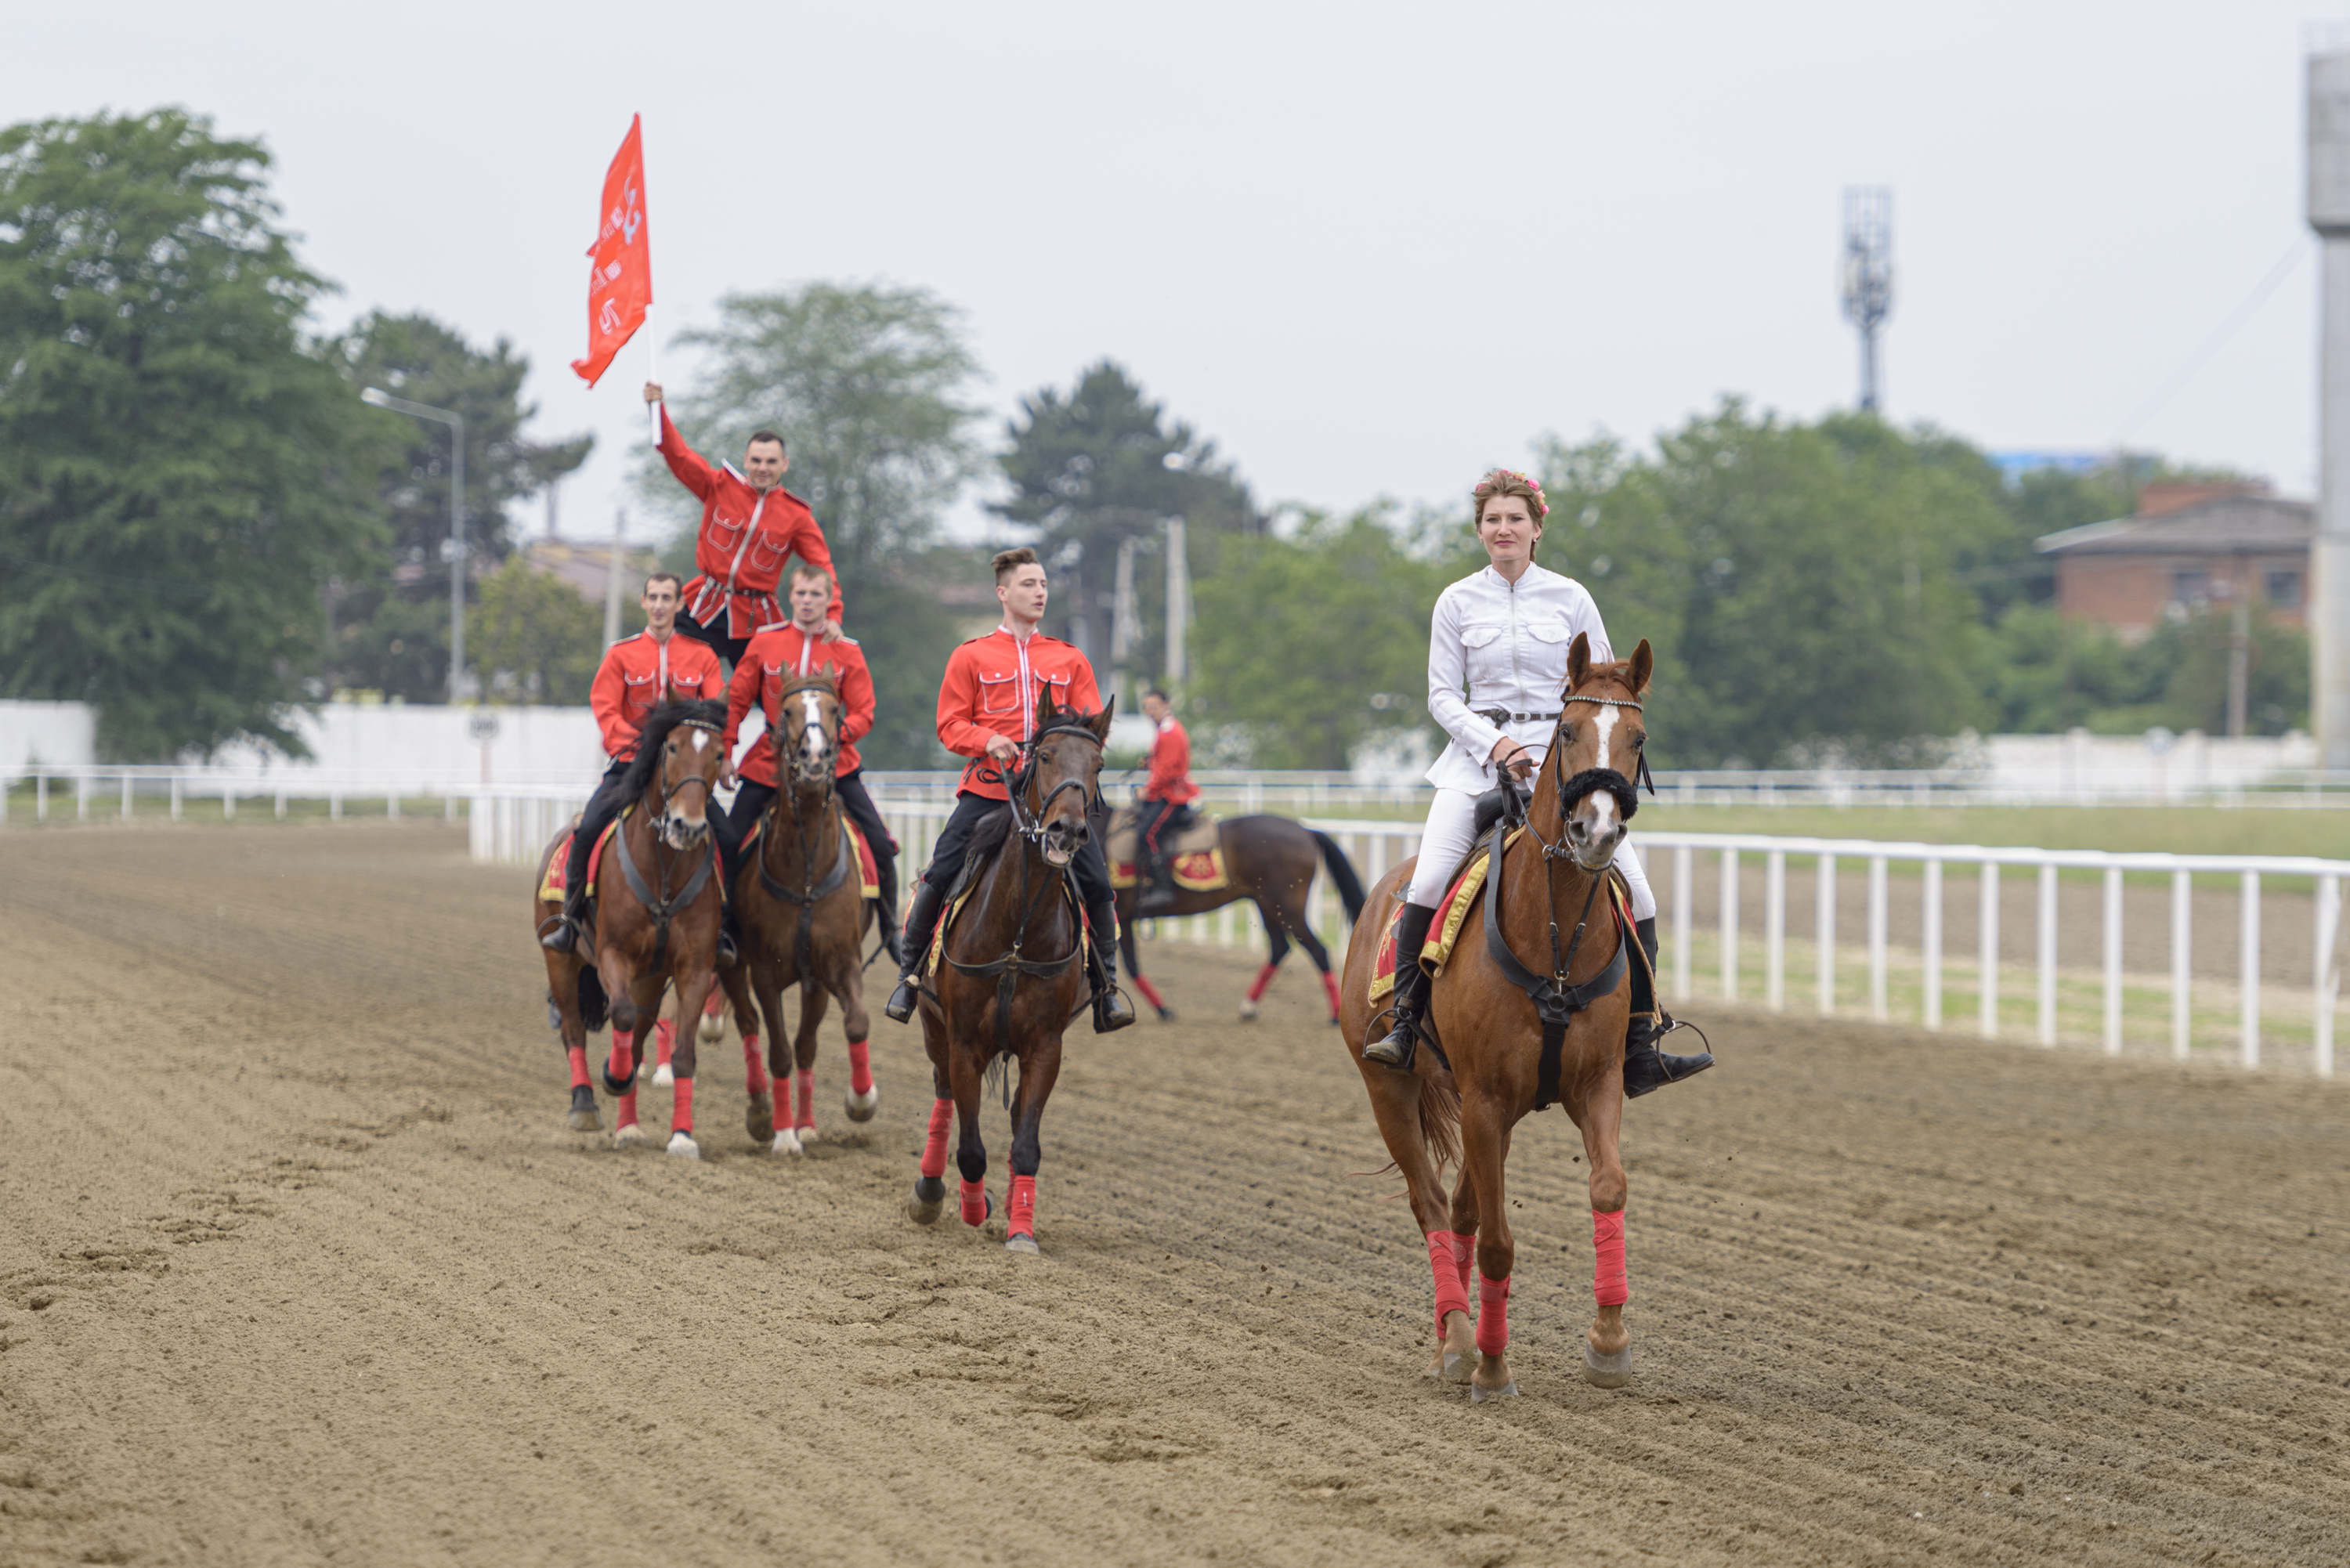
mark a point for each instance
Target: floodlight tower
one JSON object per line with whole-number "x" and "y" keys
{"x": 1867, "y": 275}
{"x": 2329, "y": 214}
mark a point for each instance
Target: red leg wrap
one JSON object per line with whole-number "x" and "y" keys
{"x": 717, "y": 1002}
{"x": 1022, "y": 1208}
{"x": 975, "y": 1203}
{"x": 681, "y": 1117}
{"x": 1464, "y": 1252}
{"x": 624, "y": 1053}
{"x": 934, "y": 1147}
{"x": 1609, "y": 1286}
{"x": 1149, "y": 992}
{"x": 804, "y": 1097}
{"x": 754, "y": 1066}
{"x": 1452, "y": 1294}
{"x": 579, "y": 1054}
{"x": 1264, "y": 978}
{"x": 664, "y": 1040}
{"x": 1492, "y": 1315}
{"x": 626, "y": 1116}
{"x": 861, "y": 1066}
{"x": 1330, "y": 988}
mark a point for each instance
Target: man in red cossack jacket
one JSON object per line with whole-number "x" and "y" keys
{"x": 777, "y": 656}
{"x": 750, "y": 525}
{"x": 639, "y": 673}
{"x": 1166, "y": 801}
{"x": 987, "y": 706}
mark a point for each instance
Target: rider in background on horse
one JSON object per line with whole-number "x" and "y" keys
{"x": 987, "y": 712}
{"x": 776, "y": 657}
{"x": 637, "y": 675}
{"x": 1167, "y": 798}
{"x": 1497, "y": 660}
{"x": 750, "y": 527}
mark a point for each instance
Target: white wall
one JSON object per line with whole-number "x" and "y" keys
{"x": 62, "y": 733}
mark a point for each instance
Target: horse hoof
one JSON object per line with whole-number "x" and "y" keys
{"x": 930, "y": 1197}
{"x": 683, "y": 1147}
{"x": 1607, "y": 1371}
{"x": 787, "y": 1142}
{"x": 711, "y": 1029}
{"x": 1458, "y": 1367}
{"x": 628, "y": 1137}
{"x": 1166, "y": 1015}
{"x": 662, "y": 1077}
{"x": 554, "y": 1017}
{"x": 1022, "y": 1243}
{"x": 1478, "y": 1394}
{"x": 759, "y": 1118}
{"x": 1248, "y": 1013}
{"x": 583, "y": 1110}
{"x": 862, "y": 1107}
{"x": 616, "y": 1087}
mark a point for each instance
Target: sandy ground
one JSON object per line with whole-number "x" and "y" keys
{"x": 302, "y": 1266}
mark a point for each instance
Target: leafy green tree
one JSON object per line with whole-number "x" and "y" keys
{"x": 179, "y": 469}
{"x": 1098, "y": 467}
{"x": 865, "y": 385}
{"x": 532, "y": 636}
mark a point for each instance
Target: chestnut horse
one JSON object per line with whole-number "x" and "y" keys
{"x": 1013, "y": 972}
{"x": 1545, "y": 909}
{"x": 1270, "y": 862}
{"x": 801, "y": 903}
{"x": 657, "y": 908}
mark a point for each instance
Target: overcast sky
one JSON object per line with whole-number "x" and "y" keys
{"x": 1369, "y": 249}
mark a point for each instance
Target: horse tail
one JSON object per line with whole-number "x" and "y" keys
{"x": 1439, "y": 1122}
{"x": 1342, "y": 872}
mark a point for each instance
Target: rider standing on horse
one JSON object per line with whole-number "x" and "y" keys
{"x": 637, "y": 675}
{"x": 750, "y": 527}
{"x": 1165, "y": 799}
{"x": 777, "y": 656}
{"x": 987, "y": 712}
{"x": 1497, "y": 659}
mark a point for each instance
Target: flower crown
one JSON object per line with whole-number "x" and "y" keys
{"x": 1485, "y": 488}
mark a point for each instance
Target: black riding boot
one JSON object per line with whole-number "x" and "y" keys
{"x": 885, "y": 881}
{"x": 1402, "y": 1042}
{"x": 1160, "y": 893}
{"x": 565, "y": 937}
{"x": 1111, "y": 1009}
{"x": 921, "y": 923}
{"x": 730, "y": 936}
{"x": 1646, "y": 1067}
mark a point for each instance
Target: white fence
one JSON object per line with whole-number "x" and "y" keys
{"x": 88, "y": 793}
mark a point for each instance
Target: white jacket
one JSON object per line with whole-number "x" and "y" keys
{"x": 1493, "y": 643}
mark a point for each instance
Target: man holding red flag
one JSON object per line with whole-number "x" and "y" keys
{"x": 750, "y": 527}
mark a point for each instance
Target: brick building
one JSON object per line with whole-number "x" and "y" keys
{"x": 2187, "y": 546}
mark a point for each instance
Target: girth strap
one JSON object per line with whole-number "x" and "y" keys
{"x": 1556, "y": 1003}
{"x": 661, "y": 910}
{"x": 809, "y": 900}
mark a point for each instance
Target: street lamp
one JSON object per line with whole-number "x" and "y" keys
{"x": 454, "y": 550}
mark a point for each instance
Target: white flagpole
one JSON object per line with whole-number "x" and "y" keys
{"x": 652, "y": 374}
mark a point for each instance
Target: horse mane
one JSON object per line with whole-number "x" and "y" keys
{"x": 668, "y": 716}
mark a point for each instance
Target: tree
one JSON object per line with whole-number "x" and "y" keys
{"x": 865, "y": 384}
{"x": 179, "y": 469}
{"x": 1099, "y": 468}
{"x": 532, "y": 636}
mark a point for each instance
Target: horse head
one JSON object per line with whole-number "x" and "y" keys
{"x": 805, "y": 729}
{"x": 1597, "y": 753}
{"x": 1063, "y": 776}
{"x": 693, "y": 753}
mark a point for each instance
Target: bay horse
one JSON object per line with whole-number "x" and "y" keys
{"x": 1013, "y": 972}
{"x": 1544, "y": 897}
{"x": 804, "y": 915}
{"x": 1270, "y": 862}
{"x": 657, "y": 910}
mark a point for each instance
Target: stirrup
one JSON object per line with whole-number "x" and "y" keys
{"x": 1646, "y": 1068}
{"x": 562, "y": 935}
{"x": 899, "y": 1008}
{"x": 1112, "y": 1011}
{"x": 1399, "y": 1046}
{"x": 729, "y": 955}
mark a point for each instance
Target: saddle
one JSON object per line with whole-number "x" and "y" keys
{"x": 869, "y": 871}
{"x": 551, "y": 889}
{"x": 1194, "y": 850}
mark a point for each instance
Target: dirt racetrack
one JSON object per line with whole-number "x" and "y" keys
{"x": 302, "y": 1267}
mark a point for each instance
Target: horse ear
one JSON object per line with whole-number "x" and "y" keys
{"x": 1578, "y": 659}
{"x": 1044, "y": 705}
{"x": 1644, "y": 664}
{"x": 1100, "y": 722}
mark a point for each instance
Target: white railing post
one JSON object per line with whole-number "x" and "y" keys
{"x": 1879, "y": 1005}
{"x": 81, "y": 798}
{"x": 2113, "y": 961}
{"x": 1823, "y": 927}
{"x": 2249, "y": 962}
{"x": 1987, "y": 949}
{"x": 1774, "y": 931}
{"x": 2182, "y": 919}
{"x": 41, "y": 797}
{"x": 1729, "y": 925}
{"x": 175, "y": 796}
{"x": 281, "y": 802}
{"x": 1684, "y": 897}
{"x": 126, "y": 796}
{"x": 391, "y": 802}
{"x": 2048, "y": 953}
{"x": 1930, "y": 938}
{"x": 334, "y": 805}
{"x": 228, "y": 800}
{"x": 2325, "y": 974}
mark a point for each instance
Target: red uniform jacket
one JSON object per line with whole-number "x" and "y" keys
{"x": 1170, "y": 765}
{"x": 779, "y": 656}
{"x": 746, "y": 536}
{"x": 991, "y": 686}
{"x": 636, "y": 674}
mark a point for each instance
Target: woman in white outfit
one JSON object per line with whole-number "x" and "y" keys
{"x": 1496, "y": 669}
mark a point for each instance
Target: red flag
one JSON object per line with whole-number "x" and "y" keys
{"x": 620, "y": 287}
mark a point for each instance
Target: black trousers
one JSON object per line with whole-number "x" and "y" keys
{"x": 1091, "y": 870}
{"x": 714, "y": 637}
{"x": 751, "y": 801}
{"x": 1152, "y": 820}
{"x": 601, "y": 808}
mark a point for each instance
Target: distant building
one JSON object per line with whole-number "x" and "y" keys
{"x": 586, "y": 566}
{"x": 2189, "y": 546}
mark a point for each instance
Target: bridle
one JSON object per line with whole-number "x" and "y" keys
{"x": 810, "y": 891}
{"x": 662, "y": 910}
{"x": 669, "y": 793}
{"x": 1029, "y": 821}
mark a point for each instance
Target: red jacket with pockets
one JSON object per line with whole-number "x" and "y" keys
{"x": 991, "y": 686}
{"x": 746, "y": 536}
{"x": 1170, "y": 765}
{"x": 779, "y": 656}
{"x": 635, "y": 676}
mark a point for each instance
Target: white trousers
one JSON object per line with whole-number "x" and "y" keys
{"x": 1451, "y": 821}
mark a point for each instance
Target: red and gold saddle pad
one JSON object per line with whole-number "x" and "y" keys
{"x": 1442, "y": 932}
{"x": 1202, "y": 873}
{"x": 868, "y": 873}
{"x": 552, "y": 889}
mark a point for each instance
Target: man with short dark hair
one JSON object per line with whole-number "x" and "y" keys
{"x": 1167, "y": 797}
{"x": 750, "y": 527}
{"x": 639, "y": 673}
{"x": 987, "y": 711}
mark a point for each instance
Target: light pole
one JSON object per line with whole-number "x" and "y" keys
{"x": 453, "y": 551}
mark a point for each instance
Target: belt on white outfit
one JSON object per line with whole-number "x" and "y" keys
{"x": 1503, "y": 716}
